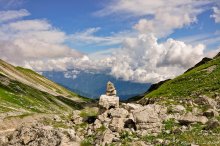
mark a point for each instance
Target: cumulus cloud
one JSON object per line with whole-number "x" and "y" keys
{"x": 23, "y": 41}
{"x": 159, "y": 17}
{"x": 143, "y": 59}
{"x": 216, "y": 14}
{"x": 12, "y": 14}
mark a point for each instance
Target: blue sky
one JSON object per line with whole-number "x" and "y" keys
{"x": 136, "y": 40}
{"x": 78, "y": 15}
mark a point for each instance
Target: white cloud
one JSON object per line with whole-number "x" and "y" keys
{"x": 13, "y": 14}
{"x": 23, "y": 41}
{"x": 216, "y": 14}
{"x": 143, "y": 59}
{"x": 88, "y": 38}
{"x": 158, "y": 17}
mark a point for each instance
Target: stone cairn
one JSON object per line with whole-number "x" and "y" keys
{"x": 109, "y": 100}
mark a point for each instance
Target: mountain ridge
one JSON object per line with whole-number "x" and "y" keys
{"x": 25, "y": 91}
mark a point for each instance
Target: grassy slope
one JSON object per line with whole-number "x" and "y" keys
{"x": 23, "y": 90}
{"x": 195, "y": 82}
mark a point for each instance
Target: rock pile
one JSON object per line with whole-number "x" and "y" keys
{"x": 110, "y": 100}
{"x": 39, "y": 135}
{"x": 116, "y": 123}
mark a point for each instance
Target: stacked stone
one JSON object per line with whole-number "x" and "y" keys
{"x": 110, "y": 90}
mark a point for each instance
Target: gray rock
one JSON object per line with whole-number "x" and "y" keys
{"x": 76, "y": 119}
{"x": 107, "y": 137}
{"x": 149, "y": 118}
{"x": 131, "y": 106}
{"x": 117, "y": 124}
{"x": 57, "y": 118}
{"x": 97, "y": 124}
{"x": 36, "y": 135}
{"x": 118, "y": 112}
{"x": 189, "y": 118}
{"x": 178, "y": 109}
{"x": 211, "y": 113}
{"x": 212, "y": 124}
{"x": 108, "y": 102}
{"x": 205, "y": 100}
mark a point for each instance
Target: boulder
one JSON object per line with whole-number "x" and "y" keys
{"x": 211, "y": 113}
{"x": 212, "y": 124}
{"x": 118, "y": 112}
{"x": 108, "y": 102}
{"x": 205, "y": 100}
{"x": 97, "y": 124}
{"x": 107, "y": 137}
{"x": 76, "y": 118}
{"x": 149, "y": 118}
{"x": 189, "y": 118}
{"x": 178, "y": 109}
{"x": 116, "y": 125}
{"x": 131, "y": 106}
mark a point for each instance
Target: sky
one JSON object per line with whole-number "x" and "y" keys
{"x": 135, "y": 40}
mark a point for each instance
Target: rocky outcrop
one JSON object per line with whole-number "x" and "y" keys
{"x": 37, "y": 135}
{"x": 149, "y": 118}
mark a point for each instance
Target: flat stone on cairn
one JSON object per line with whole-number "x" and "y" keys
{"x": 110, "y": 100}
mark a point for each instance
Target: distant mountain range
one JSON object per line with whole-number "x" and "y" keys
{"x": 92, "y": 85}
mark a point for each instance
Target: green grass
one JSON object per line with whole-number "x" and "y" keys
{"x": 194, "y": 136}
{"x": 18, "y": 96}
{"x": 195, "y": 82}
{"x": 89, "y": 112}
{"x": 20, "y": 93}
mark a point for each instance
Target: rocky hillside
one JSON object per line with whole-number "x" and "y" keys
{"x": 23, "y": 91}
{"x": 182, "y": 112}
